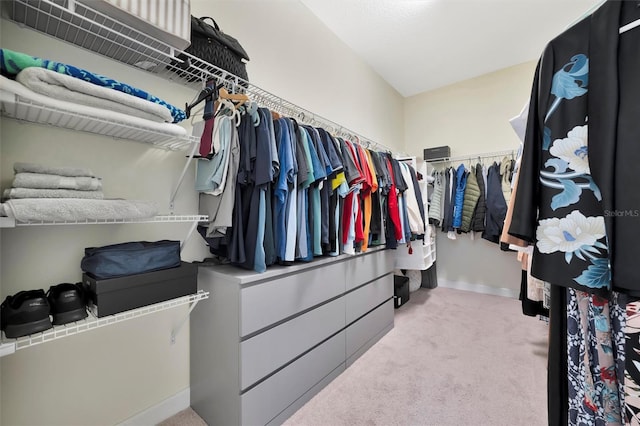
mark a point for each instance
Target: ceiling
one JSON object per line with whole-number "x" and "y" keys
{"x": 420, "y": 45}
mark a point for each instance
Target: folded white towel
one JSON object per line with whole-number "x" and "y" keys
{"x": 52, "y": 170}
{"x": 73, "y": 209}
{"x": 14, "y": 193}
{"x": 43, "y": 181}
{"x": 11, "y": 90}
{"x": 64, "y": 87}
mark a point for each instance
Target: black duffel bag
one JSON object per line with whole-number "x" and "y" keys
{"x": 212, "y": 45}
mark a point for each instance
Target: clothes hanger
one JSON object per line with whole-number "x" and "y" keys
{"x": 237, "y": 97}
{"x": 630, "y": 25}
{"x": 210, "y": 92}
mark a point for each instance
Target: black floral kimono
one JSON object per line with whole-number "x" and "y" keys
{"x": 578, "y": 204}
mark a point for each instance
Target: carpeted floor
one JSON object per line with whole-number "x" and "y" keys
{"x": 453, "y": 358}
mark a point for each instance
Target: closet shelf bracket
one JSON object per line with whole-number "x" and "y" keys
{"x": 182, "y": 175}
{"x": 191, "y": 229}
{"x": 176, "y": 331}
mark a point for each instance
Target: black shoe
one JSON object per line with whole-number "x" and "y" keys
{"x": 68, "y": 303}
{"x": 26, "y": 312}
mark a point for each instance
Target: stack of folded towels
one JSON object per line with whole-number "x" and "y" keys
{"x": 65, "y": 194}
{"x": 40, "y": 181}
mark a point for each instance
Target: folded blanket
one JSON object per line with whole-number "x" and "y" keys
{"x": 52, "y": 170}
{"x": 42, "y": 181}
{"x": 13, "y": 193}
{"x": 72, "y": 209}
{"x": 2, "y": 212}
{"x": 13, "y": 62}
{"x": 67, "y": 88}
{"x": 10, "y": 89}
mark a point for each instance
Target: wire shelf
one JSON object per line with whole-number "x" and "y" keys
{"x": 9, "y": 346}
{"x": 77, "y": 23}
{"x": 14, "y": 106}
{"x": 473, "y": 157}
{"x": 11, "y": 222}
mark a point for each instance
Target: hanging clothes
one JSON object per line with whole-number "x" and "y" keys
{"x": 496, "y": 206}
{"x": 414, "y": 207}
{"x": 263, "y": 176}
{"x": 372, "y": 222}
{"x": 435, "y": 207}
{"x": 219, "y": 207}
{"x": 471, "y": 197}
{"x": 461, "y": 183}
{"x": 574, "y": 177}
{"x": 379, "y": 201}
{"x": 394, "y": 228}
{"x": 479, "y": 214}
{"x": 506, "y": 172}
{"x": 282, "y": 188}
{"x": 450, "y": 200}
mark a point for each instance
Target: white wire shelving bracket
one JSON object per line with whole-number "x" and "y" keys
{"x": 74, "y": 21}
{"x": 9, "y": 346}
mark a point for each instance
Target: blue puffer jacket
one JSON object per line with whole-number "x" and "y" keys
{"x": 461, "y": 183}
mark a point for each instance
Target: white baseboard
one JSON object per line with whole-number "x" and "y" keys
{"x": 161, "y": 411}
{"x": 479, "y": 288}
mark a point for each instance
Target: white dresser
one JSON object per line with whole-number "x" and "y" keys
{"x": 264, "y": 344}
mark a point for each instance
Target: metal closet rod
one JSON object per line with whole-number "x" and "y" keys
{"x": 482, "y": 156}
{"x": 287, "y": 108}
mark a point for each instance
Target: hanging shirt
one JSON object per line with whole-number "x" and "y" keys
{"x": 219, "y": 208}
{"x": 292, "y": 203}
{"x": 263, "y": 172}
{"x": 281, "y": 189}
{"x": 415, "y": 209}
{"x": 392, "y": 204}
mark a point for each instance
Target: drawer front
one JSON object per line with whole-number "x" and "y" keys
{"x": 264, "y": 353}
{"x": 267, "y": 303}
{"x": 269, "y": 398}
{"x": 368, "y": 267}
{"x": 360, "y": 332}
{"x": 362, "y": 300}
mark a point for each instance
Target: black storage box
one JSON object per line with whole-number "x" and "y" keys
{"x": 114, "y": 295}
{"x": 437, "y": 153}
{"x": 400, "y": 290}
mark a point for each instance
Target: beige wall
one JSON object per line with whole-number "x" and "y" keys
{"x": 108, "y": 375}
{"x": 296, "y": 57}
{"x": 471, "y": 117}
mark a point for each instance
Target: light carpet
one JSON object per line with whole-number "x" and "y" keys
{"x": 453, "y": 358}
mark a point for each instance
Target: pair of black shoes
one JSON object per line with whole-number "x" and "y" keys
{"x": 27, "y": 312}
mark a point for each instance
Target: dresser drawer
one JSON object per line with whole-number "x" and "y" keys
{"x": 367, "y": 297}
{"x": 267, "y": 303}
{"x": 266, "y": 352}
{"x": 366, "y": 328}
{"x": 271, "y": 397}
{"x": 367, "y": 267}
